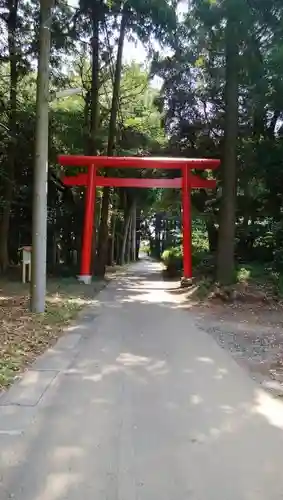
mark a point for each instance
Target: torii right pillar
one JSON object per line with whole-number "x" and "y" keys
{"x": 187, "y": 226}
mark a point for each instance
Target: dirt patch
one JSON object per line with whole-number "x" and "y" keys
{"x": 251, "y": 329}
{"x": 23, "y": 335}
{"x": 252, "y": 334}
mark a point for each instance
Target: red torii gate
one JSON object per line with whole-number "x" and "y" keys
{"x": 85, "y": 174}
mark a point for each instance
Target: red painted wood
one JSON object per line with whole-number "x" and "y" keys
{"x": 187, "y": 182}
{"x": 187, "y": 223}
{"x": 138, "y": 162}
{"x": 195, "y": 182}
{"x": 81, "y": 180}
{"x": 75, "y": 180}
{"x": 89, "y": 217}
{"x": 139, "y": 183}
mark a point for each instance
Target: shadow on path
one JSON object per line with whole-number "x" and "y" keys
{"x": 149, "y": 407}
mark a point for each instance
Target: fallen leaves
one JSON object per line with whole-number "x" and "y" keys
{"x": 23, "y": 335}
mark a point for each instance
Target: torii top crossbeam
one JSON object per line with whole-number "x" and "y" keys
{"x": 139, "y": 162}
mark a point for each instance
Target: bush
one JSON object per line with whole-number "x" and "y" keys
{"x": 173, "y": 260}
{"x": 145, "y": 249}
{"x": 278, "y": 259}
{"x": 199, "y": 237}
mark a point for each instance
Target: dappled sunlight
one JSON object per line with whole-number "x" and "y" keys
{"x": 188, "y": 293}
{"x": 31, "y": 378}
{"x": 107, "y": 370}
{"x": 227, "y": 409}
{"x": 206, "y": 360}
{"x": 156, "y": 367}
{"x": 151, "y": 296}
{"x": 148, "y": 288}
{"x": 195, "y": 399}
{"x": 62, "y": 453}
{"x": 74, "y": 328}
{"x": 147, "y": 401}
{"x": 125, "y": 364}
{"x": 221, "y": 373}
{"x": 217, "y": 424}
{"x": 159, "y": 368}
{"x": 128, "y": 359}
{"x": 57, "y": 485}
{"x": 269, "y": 407}
{"x": 6, "y": 297}
{"x": 80, "y": 301}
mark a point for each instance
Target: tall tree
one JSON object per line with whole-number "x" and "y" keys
{"x": 10, "y": 17}
{"x": 19, "y": 25}
{"x": 226, "y": 238}
{"x": 144, "y": 19}
{"x": 103, "y": 227}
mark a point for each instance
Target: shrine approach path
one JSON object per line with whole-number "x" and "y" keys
{"x": 135, "y": 402}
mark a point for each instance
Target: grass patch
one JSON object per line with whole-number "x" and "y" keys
{"x": 23, "y": 335}
{"x": 252, "y": 282}
{"x": 262, "y": 276}
{"x": 252, "y": 272}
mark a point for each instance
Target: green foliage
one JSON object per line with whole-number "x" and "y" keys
{"x": 199, "y": 236}
{"x": 67, "y": 135}
{"x": 173, "y": 260}
{"x": 260, "y": 275}
{"x": 193, "y": 100}
{"x": 186, "y": 118}
{"x": 172, "y": 257}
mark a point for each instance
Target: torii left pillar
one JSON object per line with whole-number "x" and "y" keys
{"x": 85, "y": 275}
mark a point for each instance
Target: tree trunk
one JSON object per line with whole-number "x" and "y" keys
{"x": 87, "y": 141}
{"x": 129, "y": 238}
{"x": 127, "y": 220}
{"x": 226, "y": 237}
{"x": 54, "y": 250}
{"x": 112, "y": 256}
{"x": 103, "y": 227}
{"x": 12, "y": 125}
{"x": 138, "y": 233}
{"x": 117, "y": 248}
{"x": 212, "y": 234}
{"x": 94, "y": 111}
{"x": 134, "y": 231}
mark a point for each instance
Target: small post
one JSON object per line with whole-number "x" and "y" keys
{"x": 187, "y": 227}
{"x": 89, "y": 217}
{"x": 26, "y": 261}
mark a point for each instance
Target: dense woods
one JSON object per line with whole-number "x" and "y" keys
{"x": 221, "y": 97}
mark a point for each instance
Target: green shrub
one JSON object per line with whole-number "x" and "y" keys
{"x": 278, "y": 259}
{"x": 173, "y": 260}
{"x": 145, "y": 249}
{"x": 199, "y": 239}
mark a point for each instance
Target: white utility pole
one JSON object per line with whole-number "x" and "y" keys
{"x": 39, "y": 213}
{"x": 40, "y": 182}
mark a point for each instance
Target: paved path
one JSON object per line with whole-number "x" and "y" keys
{"x": 136, "y": 403}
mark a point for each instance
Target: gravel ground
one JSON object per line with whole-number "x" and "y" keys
{"x": 258, "y": 348}
{"x": 251, "y": 331}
